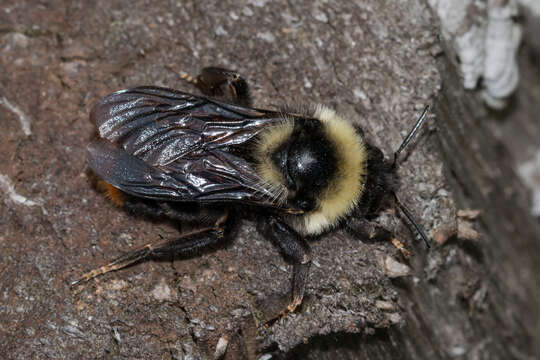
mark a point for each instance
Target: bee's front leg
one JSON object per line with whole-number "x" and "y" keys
{"x": 368, "y": 230}
{"x": 297, "y": 249}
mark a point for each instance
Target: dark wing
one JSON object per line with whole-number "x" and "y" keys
{"x": 160, "y": 125}
{"x": 214, "y": 176}
{"x": 163, "y": 144}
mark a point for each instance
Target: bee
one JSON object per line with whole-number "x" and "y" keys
{"x": 197, "y": 159}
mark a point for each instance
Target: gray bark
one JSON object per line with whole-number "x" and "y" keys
{"x": 377, "y": 63}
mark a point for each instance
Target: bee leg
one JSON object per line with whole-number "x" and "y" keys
{"x": 187, "y": 243}
{"x": 221, "y": 83}
{"x": 204, "y": 216}
{"x": 374, "y": 232}
{"x": 368, "y": 229}
{"x": 297, "y": 249}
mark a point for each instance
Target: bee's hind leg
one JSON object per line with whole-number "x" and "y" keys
{"x": 221, "y": 83}
{"x": 186, "y": 244}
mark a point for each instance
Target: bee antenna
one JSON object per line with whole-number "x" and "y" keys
{"x": 409, "y": 217}
{"x": 411, "y": 134}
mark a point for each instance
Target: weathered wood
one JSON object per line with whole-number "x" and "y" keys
{"x": 482, "y": 297}
{"x": 375, "y": 63}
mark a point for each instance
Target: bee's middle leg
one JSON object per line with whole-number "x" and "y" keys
{"x": 297, "y": 249}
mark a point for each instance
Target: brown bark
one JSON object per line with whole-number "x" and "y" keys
{"x": 465, "y": 298}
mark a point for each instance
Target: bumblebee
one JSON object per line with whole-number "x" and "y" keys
{"x": 196, "y": 159}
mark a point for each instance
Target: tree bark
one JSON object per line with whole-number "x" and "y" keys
{"x": 480, "y": 297}
{"x": 377, "y": 63}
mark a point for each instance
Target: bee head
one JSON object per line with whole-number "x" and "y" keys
{"x": 381, "y": 180}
